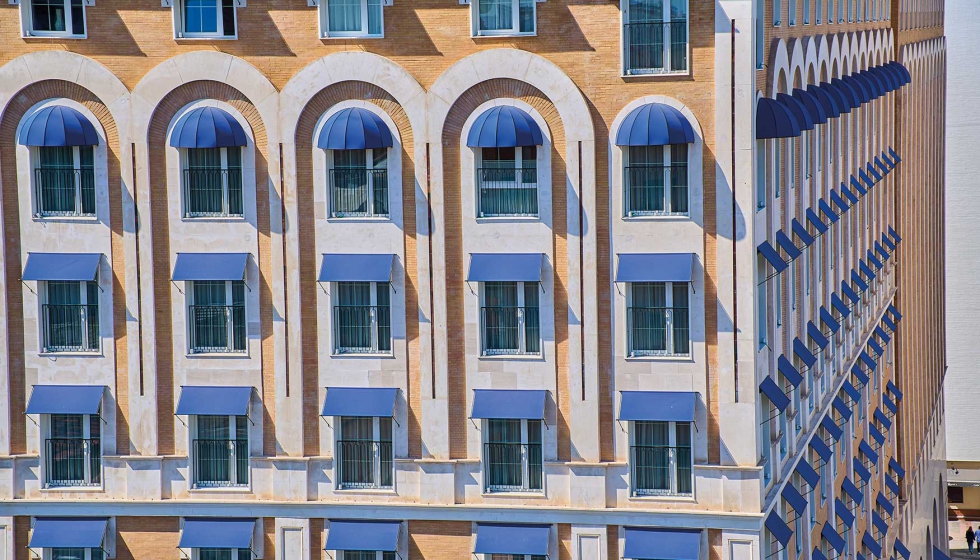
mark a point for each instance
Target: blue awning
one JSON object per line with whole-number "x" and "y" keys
{"x": 830, "y": 104}
{"x": 354, "y": 128}
{"x": 880, "y": 417}
{"x": 885, "y": 504}
{"x": 939, "y": 554}
{"x": 65, "y": 399}
{"x": 838, "y": 201}
{"x": 846, "y": 289}
{"x": 881, "y": 165}
{"x": 878, "y": 350}
{"x": 848, "y": 92}
{"x": 68, "y": 532}
{"x": 897, "y": 79}
{"x": 857, "y": 185}
{"x": 828, "y": 319}
{"x": 895, "y": 466}
{"x": 799, "y": 110}
{"x": 655, "y": 267}
{"x": 859, "y": 87}
{"x": 363, "y": 402}
{"x": 882, "y": 334}
{"x": 774, "y": 120}
{"x": 803, "y": 353}
{"x": 777, "y": 527}
{"x": 217, "y": 532}
{"x": 869, "y": 274}
{"x": 876, "y": 434}
{"x": 844, "y": 514}
{"x": 788, "y": 371}
{"x": 860, "y": 470}
{"x": 828, "y": 532}
{"x": 889, "y": 323}
{"x": 509, "y": 404}
{"x": 775, "y": 395}
{"x": 801, "y": 232}
{"x": 207, "y": 127}
{"x": 69, "y": 267}
{"x": 853, "y": 198}
{"x": 851, "y": 391}
{"x": 663, "y": 544}
{"x": 874, "y": 173}
{"x": 792, "y": 251}
{"x": 858, "y": 281}
{"x": 874, "y": 260}
{"x": 813, "y": 105}
{"x": 363, "y": 535}
{"x": 512, "y": 538}
{"x": 817, "y": 554}
{"x": 901, "y": 549}
{"x": 895, "y": 313}
{"x": 828, "y": 211}
{"x": 794, "y": 499}
{"x": 902, "y": 70}
{"x": 654, "y": 124}
{"x": 888, "y": 161}
{"x": 885, "y": 78}
{"x": 504, "y": 126}
{"x": 816, "y": 336}
{"x": 861, "y": 376}
{"x": 815, "y": 221}
{"x": 864, "y": 177}
{"x": 209, "y": 266}
{"x": 832, "y": 428}
{"x": 210, "y": 400}
{"x": 505, "y": 267}
{"x": 894, "y": 390}
{"x": 888, "y": 242}
{"x": 657, "y": 406}
{"x": 881, "y": 250}
{"x": 892, "y": 485}
{"x": 843, "y": 105}
{"x": 771, "y": 255}
{"x": 873, "y": 81}
{"x": 808, "y": 473}
{"x": 889, "y": 403}
{"x": 356, "y": 268}
{"x": 879, "y": 522}
{"x": 842, "y": 408}
{"x": 848, "y": 487}
{"x": 864, "y": 357}
{"x": 895, "y": 157}
{"x": 821, "y": 449}
{"x": 873, "y": 547}
{"x": 868, "y": 452}
{"x": 894, "y": 235}
{"x": 837, "y": 303}
{"x": 58, "y": 126}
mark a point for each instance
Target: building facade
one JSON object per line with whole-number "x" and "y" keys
{"x": 429, "y": 279}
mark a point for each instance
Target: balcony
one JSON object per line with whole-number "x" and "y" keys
{"x": 212, "y": 192}
{"x": 70, "y": 328}
{"x": 658, "y": 331}
{"x": 358, "y": 193}
{"x": 510, "y": 330}
{"x": 655, "y": 47}
{"x": 64, "y": 191}
{"x": 512, "y": 467}
{"x": 656, "y": 190}
{"x": 364, "y": 464}
{"x": 660, "y": 470}
{"x": 508, "y": 192}
{"x": 217, "y": 329}
{"x": 220, "y": 463}
{"x": 73, "y": 462}
{"x": 362, "y": 329}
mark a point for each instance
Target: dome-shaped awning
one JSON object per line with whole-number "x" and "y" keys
{"x": 874, "y": 82}
{"x": 798, "y": 109}
{"x": 207, "y": 127}
{"x": 862, "y": 88}
{"x": 58, "y": 126}
{"x": 896, "y": 75}
{"x": 827, "y": 101}
{"x": 843, "y": 105}
{"x": 504, "y": 126}
{"x": 849, "y": 94}
{"x": 902, "y": 71}
{"x": 813, "y": 106}
{"x": 655, "y": 124}
{"x": 354, "y": 128}
{"x": 889, "y": 82}
{"x": 774, "y": 120}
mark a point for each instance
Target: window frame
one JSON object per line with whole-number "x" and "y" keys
{"x": 373, "y": 288}
{"x": 48, "y": 553}
{"x": 673, "y": 463}
{"x": 369, "y": 166}
{"x": 87, "y": 455}
{"x": 36, "y": 168}
{"x": 377, "y": 466}
{"x": 525, "y": 459}
{"x": 226, "y": 168}
{"x": 521, "y": 324}
{"x": 669, "y": 324}
{"x": 364, "y": 33}
{"x": 44, "y": 347}
{"x": 229, "y": 302}
{"x": 668, "y": 184}
{"x": 478, "y": 165}
{"x": 514, "y": 30}
{"x": 27, "y": 15}
{"x": 180, "y": 32}
{"x": 196, "y": 483}
{"x": 668, "y": 49}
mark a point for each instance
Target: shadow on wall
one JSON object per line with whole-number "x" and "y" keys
{"x": 110, "y": 37}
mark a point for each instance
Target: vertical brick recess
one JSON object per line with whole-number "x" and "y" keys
{"x": 716, "y": 549}
{"x": 612, "y": 541}
{"x": 22, "y": 531}
{"x": 316, "y": 538}
{"x": 564, "y": 541}
{"x": 18, "y": 107}
{"x": 269, "y": 534}
{"x": 439, "y": 540}
{"x": 147, "y": 538}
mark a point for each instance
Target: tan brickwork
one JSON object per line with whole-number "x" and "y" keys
{"x": 22, "y": 532}
{"x": 564, "y": 541}
{"x": 440, "y": 540}
{"x": 147, "y": 538}
{"x": 316, "y": 539}
{"x": 612, "y": 541}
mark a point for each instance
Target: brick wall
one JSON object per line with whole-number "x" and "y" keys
{"x": 439, "y": 540}
{"x": 147, "y": 538}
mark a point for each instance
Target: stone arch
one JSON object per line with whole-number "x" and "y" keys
{"x": 811, "y": 61}
{"x": 797, "y": 63}
{"x": 779, "y": 65}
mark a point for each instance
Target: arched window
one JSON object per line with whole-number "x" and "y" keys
{"x": 505, "y": 142}
{"x": 210, "y": 142}
{"x": 357, "y": 143}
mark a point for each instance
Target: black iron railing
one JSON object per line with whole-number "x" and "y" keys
{"x": 512, "y": 467}
{"x": 217, "y": 329}
{"x": 508, "y": 192}
{"x": 220, "y": 462}
{"x": 212, "y": 192}
{"x": 73, "y": 462}
{"x": 658, "y": 331}
{"x": 70, "y": 328}
{"x": 511, "y": 330}
{"x": 64, "y": 191}
{"x": 362, "y": 329}
{"x": 655, "y": 47}
{"x": 660, "y": 470}
{"x": 365, "y": 464}
{"x": 656, "y": 189}
{"x": 358, "y": 192}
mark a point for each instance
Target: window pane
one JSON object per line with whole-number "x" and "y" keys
{"x": 349, "y": 183}
{"x": 228, "y": 17}
{"x": 65, "y": 318}
{"x": 647, "y": 318}
{"x": 375, "y": 17}
{"x": 344, "y": 15}
{"x": 353, "y": 316}
{"x": 204, "y": 181}
{"x": 644, "y": 35}
{"x": 234, "y": 172}
{"x": 67, "y": 554}
{"x": 532, "y": 319}
{"x": 680, "y": 318}
{"x": 645, "y": 180}
{"x": 651, "y": 456}
{"x": 48, "y": 15}
{"x": 383, "y": 314}
{"x": 526, "y": 14}
{"x": 684, "y": 458}
{"x": 678, "y": 178}
{"x": 503, "y": 455}
{"x": 506, "y": 190}
{"x": 201, "y": 16}
{"x": 496, "y": 15}
{"x": 77, "y": 17}
{"x": 501, "y": 316}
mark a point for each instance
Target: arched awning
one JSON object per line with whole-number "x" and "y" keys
{"x": 813, "y": 106}
{"x": 504, "y": 126}
{"x": 798, "y": 109}
{"x": 654, "y": 124}
{"x": 827, "y": 101}
{"x": 354, "y": 128}
{"x": 848, "y": 93}
{"x": 861, "y": 88}
{"x": 902, "y": 71}
{"x": 843, "y": 105}
{"x": 874, "y": 82}
{"x": 207, "y": 127}
{"x": 58, "y": 126}
{"x": 774, "y": 120}
{"x": 886, "y": 77}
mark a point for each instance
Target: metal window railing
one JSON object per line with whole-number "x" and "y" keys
{"x": 510, "y": 330}
{"x": 656, "y": 189}
{"x": 512, "y": 467}
{"x": 658, "y": 331}
{"x": 70, "y": 328}
{"x": 508, "y": 192}
{"x": 64, "y": 191}
{"x": 661, "y": 470}
{"x": 362, "y": 329}
{"x": 365, "y": 464}
{"x": 73, "y": 462}
{"x": 358, "y": 192}
{"x": 220, "y": 462}
{"x": 212, "y": 192}
{"x": 217, "y": 329}
{"x": 655, "y": 47}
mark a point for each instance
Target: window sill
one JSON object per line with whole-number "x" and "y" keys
{"x": 213, "y": 219}
{"x": 504, "y": 219}
{"x": 43, "y": 218}
{"x": 658, "y": 216}
{"x": 78, "y": 354}
{"x": 205, "y": 38}
{"x": 55, "y": 36}
{"x": 687, "y": 498}
{"x": 535, "y": 494}
{"x": 94, "y": 489}
{"x": 329, "y": 37}
{"x": 504, "y": 35}
{"x": 221, "y": 355}
{"x": 246, "y": 489}
{"x": 520, "y": 357}
{"x": 374, "y": 355}
{"x": 656, "y": 74}
{"x": 369, "y": 219}
{"x": 367, "y": 491}
{"x": 665, "y": 358}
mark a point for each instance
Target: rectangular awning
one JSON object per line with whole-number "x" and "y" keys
{"x": 864, "y": 357}
{"x": 848, "y": 194}
{"x": 663, "y": 544}
{"x": 791, "y": 250}
{"x": 888, "y": 242}
{"x": 833, "y": 429}
{"x": 801, "y": 233}
{"x": 860, "y": 375}
{"x": 878, "y": 350}
{"x": 868, "y": 273}
{"x": 846, "y": 289}
{"x": 821, "y": 449}
{"x": 356, "y": 268}
{"x": 364, "y": 402}
{"x": 874, "y": 172}
{"x": 508, "y": 404}
{"x": 816, "y": 336}
{"x": 868, "y": 452}
{"x": 657, "y": 406}
{"x": 902, "y": 549}
{"x": 838, "y": 304}
{"x": 894, "y": 234}
{"x": 776, "y": 526}
{"x": 772, "y": 256}
{"x": 794, "y": 499}
{"x": 830, "y": 534}
{"x": 889, "y": 403}
{"x": 885, "y": 504}
{"x": 848, "y": 487}
{"x": 841, "y": 407}
{"x": 894, "y": 390}
{"x": 861, "y": 285}
{"x": 851, "y": 391}
{"x": 881, "y": 250}
{"x": 788, "y": 371}
{"x": 895, "y": 314}
{"x": 859, "y": 187}
{"x": 209, "y": 266}
{"x": 889, "y": 323}
{"x": 860, "y": 470}
{"x": 803, "y": 353}
{"x": 888, "y": 160}
{"x": 874, "y": 261}
{"x": 879, "y": 522}
{"x": 65, "y": 399}
{"x": 512, "y": 538}
{"x": 67, "y": 267}
{"x": 876, "y": 434}
{"x": 808, "y": 473}
{"x": 864, "y": 177}
{"x": 817, "y": 554}
{"x": 873, "y": 547}
{"x": 882, "y": 334}
{"x": 214, "y": 401}
{"x": 68, "y": 532}
{"x": 217, "y": 532}
{"x": 655, "y": 267}
{"x": 881, "y": 165}
{"x": 505, "y": 267}
{"x": 938, "y": 554}
{"x": 892, "y": 485}
{"x": 895, "y": 466}
{"x": 880, "y": 417}
{"x": 828, "y": 319}
{"x": 775, "y": 395}
{"x": 828, "y": 211}
{"x": 838, "y": 201}
{"x": 363, "y": 535}
{"x": 815, "y": 221}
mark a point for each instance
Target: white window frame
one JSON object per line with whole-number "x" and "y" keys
{"x": 762, "y": 303}
{"x": 229, "y": 299}
{"x": 232, "y": 457}
{"x": 376, "y": 460}
{"x": 668, "y": 186}
{"x": 86, "y": 436}
{"x": 518, "y": 167}
{"x": 363, "y": 33}
{"x": 525, "y": 460}
{"x": 761, "y": 190}
{"x": 521, "y": 325}
{"x": 369, "y": 166}
{"x": 180, "y": 33}
{"x": 624, "y": 9}
{"x": 668, "y": 304}
{"x": 83, "y": 300}
{"x": 673, "y": 463}
{"x": 76, "y": 162}
{"x": 27, "y": 18}
{"x": 225, "y": 190}
{"x": 48, "y": 553}
{"x": 375, "y": 338}
{"x": 513, "y": 31}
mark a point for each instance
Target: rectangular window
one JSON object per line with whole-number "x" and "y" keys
{"x": 70, "y": 317}
{"x": 221, "y": 451}
{"x": 760, "y": 182}
{"x": 658, "y": 319}
{"x": 760, "y": 35}
{"x": 225, "y": 554}
{"x": 508, "y": 182}
{"x": 830, "y": 12}
{"x": 206, "y": 18}
{"x": 765, "y": 438}
{"x": 656, "y": 180}
{"x": 352, "y": 18}
{"x": 661, "y": 461}
{"x": 762, "y": 302}
{"x": 213, "y": 182}
{"x": 512, "y": 458}
{"x": 655, "y": 36}
{"x": 777, "y": 13}
{"x": 819, "y": 12}
{"x": 806, "y": 12}
{"x": 792, "y": 286}
{"x": 505, "y": 17}
{"x": 77, "y": 554}
{"x": 791, "y": 9}
{"x": 64, "y": 181}
{"x": 358, "y": 183}
{"x": 777, "y": 167}
{"x": 778, "y": 301}
{"x": 56, "y": 18}
{"x": 375, "y": 555}
{"x": 364, "y": 453}
{"x": 510, "y": 321}
{"x": 73, "y": 450}
{"x": 217, "y": 317}
{"x": 362, "y": 318}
